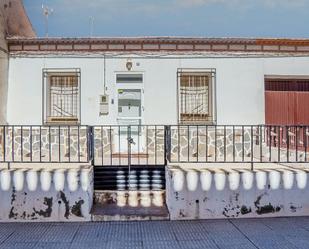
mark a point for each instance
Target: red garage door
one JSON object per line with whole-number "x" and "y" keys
{"x": 286, "y": 102}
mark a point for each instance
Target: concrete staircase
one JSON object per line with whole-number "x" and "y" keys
{"x": 136, "y": 194}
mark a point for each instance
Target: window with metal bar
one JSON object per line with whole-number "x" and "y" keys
{"x": 63, "y": 97}
{"x": 195, "y": 97}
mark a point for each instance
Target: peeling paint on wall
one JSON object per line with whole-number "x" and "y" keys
{"x": 265, "y": 209}
{"x": 47, "y": 212}
{"x": 50, "y": 205}
{"x": 66, "y": 204}
{"x": 76, "y": 208}
{"x": 260, "y": 200}
{"x": 245, "y": 210}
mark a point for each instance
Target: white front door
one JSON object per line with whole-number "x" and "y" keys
{"x": 130, "y": 112}
{"x": 129, "y": 106}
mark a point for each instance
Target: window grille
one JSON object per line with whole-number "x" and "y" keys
{"x": 62, "y": 97}
{"x": 195, "y": 97}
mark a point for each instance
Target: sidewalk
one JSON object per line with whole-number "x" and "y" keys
{"x": 291, "y": 233}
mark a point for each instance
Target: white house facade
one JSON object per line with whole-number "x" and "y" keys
{"x": 155, "y": 128}
{"x": 171, "y": 80}
{"x": 148, "y": 128}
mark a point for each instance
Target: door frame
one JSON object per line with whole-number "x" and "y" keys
{"x": 137, "y": 86}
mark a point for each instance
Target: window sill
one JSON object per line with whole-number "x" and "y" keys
{"x": 62, "y": 121}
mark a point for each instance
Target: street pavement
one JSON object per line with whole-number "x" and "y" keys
{"x": 270, "y": 233}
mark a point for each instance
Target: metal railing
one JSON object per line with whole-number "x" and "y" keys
{"x": 50, "y": 144}
{"x": 129, "y": 145}
{"x": 121, "y": 145}
{"x": 238, "y": 143}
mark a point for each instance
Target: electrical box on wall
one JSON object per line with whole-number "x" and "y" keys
{"x": 103, "y": 105}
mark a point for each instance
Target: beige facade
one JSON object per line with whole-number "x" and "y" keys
{"x": 3, "y": 68}
{"x": 13, "y": 22}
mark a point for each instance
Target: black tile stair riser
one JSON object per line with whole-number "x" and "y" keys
{"x": 106, "y": 178}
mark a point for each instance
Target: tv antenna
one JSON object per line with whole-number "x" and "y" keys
{"x": 91, "y": 23}
{"x": 47, "y": 11}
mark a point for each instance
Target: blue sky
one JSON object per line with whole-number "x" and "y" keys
{"x": 199, "y": 18}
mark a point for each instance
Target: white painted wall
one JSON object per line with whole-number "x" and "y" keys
{"x": 213, "y": 193}
{"x": 56, "y": 193}
{"x": 239, "y": 86}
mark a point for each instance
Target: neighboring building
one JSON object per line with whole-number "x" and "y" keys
{"x": 13, "y": 22}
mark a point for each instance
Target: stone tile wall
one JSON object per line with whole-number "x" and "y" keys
{"x": 35, "y": 144}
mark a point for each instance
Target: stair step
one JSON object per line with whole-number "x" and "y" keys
{"x": 109, "y": 178}
{"x": 129, "y": 205}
